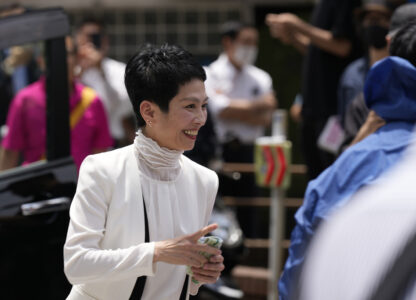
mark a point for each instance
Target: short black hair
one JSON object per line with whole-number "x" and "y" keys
{"x": 156, "y": 73}
{"x": 384, "y": 7}
{"x": 403, "y": 42}
{"x": 231, "y": 29}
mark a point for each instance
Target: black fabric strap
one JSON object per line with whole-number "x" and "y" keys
{"x": 141, "y": 281}
{"x": 184, "y": 289}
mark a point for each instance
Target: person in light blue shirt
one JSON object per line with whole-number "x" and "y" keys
{"x": 390, "y": 92}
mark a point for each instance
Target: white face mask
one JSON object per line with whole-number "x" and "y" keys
{"x": 245, "y": 55}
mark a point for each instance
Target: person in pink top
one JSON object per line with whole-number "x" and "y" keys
{"x": 26, "y": 123}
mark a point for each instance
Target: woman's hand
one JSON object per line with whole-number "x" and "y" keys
{"x": 211, "y": 271}
{"x": 185, "y": 250}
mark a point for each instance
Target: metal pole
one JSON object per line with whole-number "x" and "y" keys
{"x": 276, "y": 231}
{"x": 277, "y": 217}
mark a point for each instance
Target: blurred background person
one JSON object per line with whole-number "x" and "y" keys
{"x": 355, "y": 112}
{"x": 329, "y": 44}
{"x": 242, "y": 97}
{"x": 390, "y": 93}
{"x": 295, "y": 110}
{"x": 373, "y": 19}
{"x": 105, "y": 76}
{"x": 366, "y": 250}
{"x": 18, "y": 66}
{"x": 26, "y": 122}
{"x": 362, "y": 251}
{"x": 241, "y": 102}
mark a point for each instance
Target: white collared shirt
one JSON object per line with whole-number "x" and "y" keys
{"x": 224, "y": 83}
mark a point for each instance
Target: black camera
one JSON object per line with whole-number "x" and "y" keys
{"x": 96, "y": 40}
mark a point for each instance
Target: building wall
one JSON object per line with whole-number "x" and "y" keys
{"x": 193, "y": 24}
{"x": 195, "y": 28}
{"x": 142, "y": 3}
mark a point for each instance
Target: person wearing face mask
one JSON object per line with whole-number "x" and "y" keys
{"x": 374, "y": 19}
{"x": 390, "y": 93}
{"x": 242, "y": 98}
{"x": 365, "y": 248}
{"x": 241, "y": 102}
{"x": 358, "y": 120}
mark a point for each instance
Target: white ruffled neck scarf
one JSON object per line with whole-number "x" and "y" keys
{"x": 156, "y": 162}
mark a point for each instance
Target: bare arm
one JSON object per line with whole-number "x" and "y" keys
{"x": 252, "y": 113}
{"x": 324, "y": 39}
{"x": 300, "y": 42}
{"x": 287, "y": 35}
{"x": 8, "y": 159}
{"x": 371, "y": 125}
{"x": 283, "y": 24}
{"x": 89, "y": 57}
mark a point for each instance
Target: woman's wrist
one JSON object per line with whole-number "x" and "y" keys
{"x": 156, "y": 252}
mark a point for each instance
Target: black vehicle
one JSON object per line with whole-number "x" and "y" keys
{"x": 34, "y": 199}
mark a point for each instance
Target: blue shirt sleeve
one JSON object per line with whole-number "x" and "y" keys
{"x": 300, "y": 237}
{"x": 356, "y": 167}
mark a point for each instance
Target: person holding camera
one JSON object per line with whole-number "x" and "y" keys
{"x": 104, "y": 75}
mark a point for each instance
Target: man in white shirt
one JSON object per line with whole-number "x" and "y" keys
{"x": 241, "y": 95}
{"x": 105, "y": 76}
{"x": 241, "y": 101}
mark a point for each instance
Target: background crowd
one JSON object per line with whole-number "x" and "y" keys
{"x": 354, "y": 113}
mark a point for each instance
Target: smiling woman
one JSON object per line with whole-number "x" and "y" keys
{"x": 177, "y": 129}
{"x": 140, "y": 210}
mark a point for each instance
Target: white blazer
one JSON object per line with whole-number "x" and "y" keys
{"x": 105, "y": 251}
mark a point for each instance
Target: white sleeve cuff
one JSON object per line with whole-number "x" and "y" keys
{"x": 150, "y": 267}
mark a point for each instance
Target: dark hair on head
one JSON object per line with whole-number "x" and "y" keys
{"x": 403, "y": 43}
{"x": 156, "y": 73}
{"x": 231, "y": 29}
{"x": 91, "y": 19}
